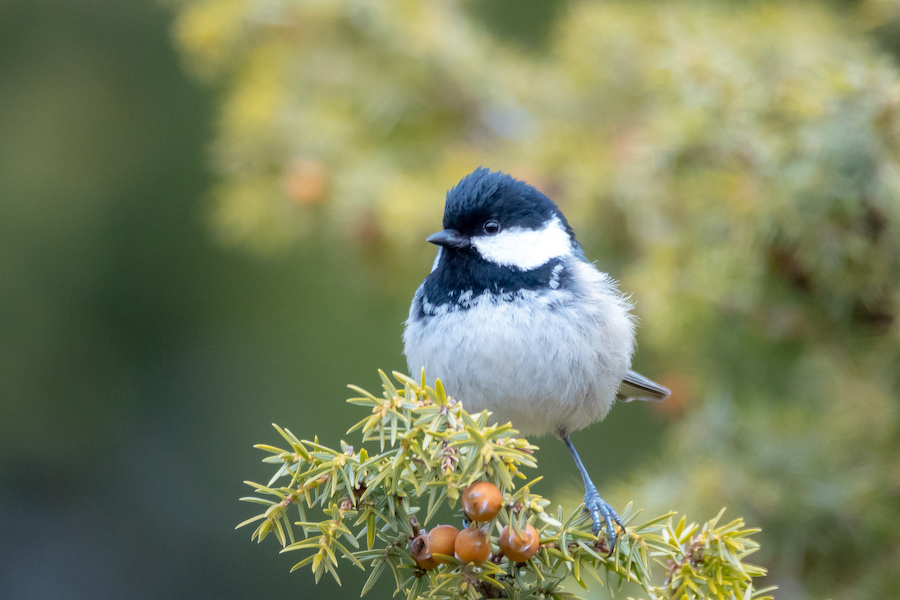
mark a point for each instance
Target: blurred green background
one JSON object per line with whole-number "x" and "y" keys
{"x": 212, "y": 216}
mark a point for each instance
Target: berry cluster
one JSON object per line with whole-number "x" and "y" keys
{"x": 481, "y": 502}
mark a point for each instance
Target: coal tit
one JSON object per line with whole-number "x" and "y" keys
{"x": 514, "y": 319}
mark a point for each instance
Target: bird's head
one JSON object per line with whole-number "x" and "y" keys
{"x": 504, "y": 221}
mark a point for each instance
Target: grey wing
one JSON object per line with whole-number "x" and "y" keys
{"x": 637, "y": 387}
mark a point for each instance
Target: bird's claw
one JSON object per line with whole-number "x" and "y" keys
{"x": 602, "y": 513}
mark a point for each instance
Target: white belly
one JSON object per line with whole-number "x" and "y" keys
{"x": 536, "y": 361}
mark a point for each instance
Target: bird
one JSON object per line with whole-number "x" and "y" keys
{"x": 513, "y": 318}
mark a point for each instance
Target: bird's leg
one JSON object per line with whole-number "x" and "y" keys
{"x": 593, "y": 503}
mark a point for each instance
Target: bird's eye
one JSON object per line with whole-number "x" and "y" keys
{"x": 491, "y": 227}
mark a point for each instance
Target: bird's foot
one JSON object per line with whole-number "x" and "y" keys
{"x": 602, "y": 513}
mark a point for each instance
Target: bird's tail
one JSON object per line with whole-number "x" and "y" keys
{"x": 637, "y": 387}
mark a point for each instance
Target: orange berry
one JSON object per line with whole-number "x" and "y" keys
{"x": 482, "y": 501}
{"x": 420, "y": 553}
{"x": 472, "y": 546}
{"x": 519, "y": 548}
{"x": 442, "y": 540}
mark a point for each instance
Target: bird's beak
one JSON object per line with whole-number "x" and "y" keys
{"x": 450, "y": 238}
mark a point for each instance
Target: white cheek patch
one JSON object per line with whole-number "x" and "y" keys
{"x": 525, "y": 248}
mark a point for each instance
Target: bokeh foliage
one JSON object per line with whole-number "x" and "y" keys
{"x": 735, "y": 164}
